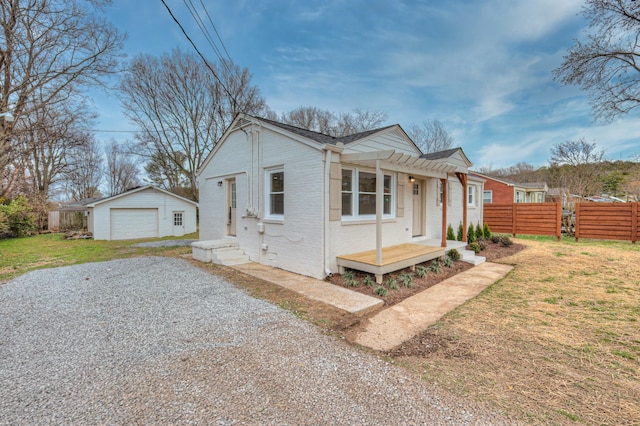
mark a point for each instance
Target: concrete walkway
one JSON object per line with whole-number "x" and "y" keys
{"x": 397, "y": 324}
{"x": 340, "y": 297}
{"x": 394, "y": 325}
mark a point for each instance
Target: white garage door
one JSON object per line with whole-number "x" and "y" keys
{"x": 129, "y": 224}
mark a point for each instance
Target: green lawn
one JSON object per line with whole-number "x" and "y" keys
{"x": 20, "y": 255}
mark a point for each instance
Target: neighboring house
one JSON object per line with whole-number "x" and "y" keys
{"x": 501, "y": 191}
{"x": 296, "y": 199}
{"x": 142, "y": 212}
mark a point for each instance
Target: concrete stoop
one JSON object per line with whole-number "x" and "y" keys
{"x": 470, "y": 256}
{"x": 220, "y": 252}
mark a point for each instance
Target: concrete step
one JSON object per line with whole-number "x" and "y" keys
{"x": 229, "y": 256}
{"x": 470, "y": 256}
{"x": 221, "y": 252}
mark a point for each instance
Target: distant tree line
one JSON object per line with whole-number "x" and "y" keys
{"x": 577, "y": 168}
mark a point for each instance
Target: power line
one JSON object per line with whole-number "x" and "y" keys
{"x": 199, "y": 53}
{"x": 216, "y": 31}
{"x": 207, "y": 35}
{"x": 114, "y": 131}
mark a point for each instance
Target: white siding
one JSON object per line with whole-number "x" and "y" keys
{"x": 389, "y": 140}
{"x": 150, "y": 198}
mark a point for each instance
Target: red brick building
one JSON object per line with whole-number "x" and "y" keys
{"x": 501, "y": 191}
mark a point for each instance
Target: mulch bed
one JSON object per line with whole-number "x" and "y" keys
{"x": 493, "y": 251}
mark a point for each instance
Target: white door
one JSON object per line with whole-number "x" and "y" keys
{"x": 418, "y": 208}
{"x": 178, "y": 224}
{"x": 128, "y": 224}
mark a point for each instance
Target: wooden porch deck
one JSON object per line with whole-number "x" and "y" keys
{"x": 394, "y": 258}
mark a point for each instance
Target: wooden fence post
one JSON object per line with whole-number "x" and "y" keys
{"x": 514, "y": 216}
{"x": 634, "y": 222}
{"x": 558, "y": 221}
{"x": 577, "y": 224}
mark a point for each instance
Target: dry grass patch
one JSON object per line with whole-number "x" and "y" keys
{"x": 556, "y": 341}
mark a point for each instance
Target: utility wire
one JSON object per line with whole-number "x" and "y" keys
{"x": 216, "y": 31}
{"x": 207, "y": 35}
{"x": 233, "y": 98}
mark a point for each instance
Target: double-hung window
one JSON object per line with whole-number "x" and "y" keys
{"x": 275, "y": 194}
{"x": 471, "y": 195}
{"x": 487, "y": 197}
{"x": 359, "y": 194}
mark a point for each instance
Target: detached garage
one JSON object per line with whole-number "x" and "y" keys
{"x": 143, "y": 212}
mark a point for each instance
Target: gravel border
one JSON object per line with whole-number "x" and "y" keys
{"x": 158, "y": 340}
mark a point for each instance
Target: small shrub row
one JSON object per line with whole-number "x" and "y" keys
{"x": 474, "y": 233}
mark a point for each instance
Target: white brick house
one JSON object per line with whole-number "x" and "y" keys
{"x": 296, "y": 199}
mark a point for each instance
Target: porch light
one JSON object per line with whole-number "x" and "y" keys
{"x": 219, "y": 183}
{"x": 412, "y": 178}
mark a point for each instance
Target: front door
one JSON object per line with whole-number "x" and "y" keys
{"x": 231, "y": 207}
{"x": 418, "y": 208}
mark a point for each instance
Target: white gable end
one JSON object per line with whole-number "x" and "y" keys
{"x": 392, "y": 139}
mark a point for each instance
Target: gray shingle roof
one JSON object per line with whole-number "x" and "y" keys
{"x": 440, "y": 154}
{"x": 321, "y": 137}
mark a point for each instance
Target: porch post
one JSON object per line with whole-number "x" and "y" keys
{"x": 379, "y": 209}
{"x": 443, "y": 182}
{"x": 463, "y": 181}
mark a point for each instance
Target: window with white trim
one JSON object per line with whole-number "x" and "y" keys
{"x": 359, "y": 194}
{"x": 275, "y": 194}
{"x": 440, "y": 193}
{"x": 487, "y": 197}
{"x": 471, "y": 195}
{"x": 177, "y": 218}
{"x": 519, "y": 196}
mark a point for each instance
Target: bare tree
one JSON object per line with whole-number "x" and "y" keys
{"x": 606, "y": 64}
{"x": 329, "y": 123}
{"x": 46, "y": 46}
{"x": 576, "y": 166}
{"x": 85, "y": 169}
{"x": 182, "y": 109}
{"x": 431, "y": 136}
{"x": 44, "y": 140}
{"x": 122, "y": 168}
{"x": 576, "y": 153}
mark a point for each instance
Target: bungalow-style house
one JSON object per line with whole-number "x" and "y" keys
{"x": 312, "y": 204}
{"x": 502, "y": 191}
{"x": 141, "y": 212}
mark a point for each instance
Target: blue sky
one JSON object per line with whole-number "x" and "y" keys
{"x": 483, "y": 68}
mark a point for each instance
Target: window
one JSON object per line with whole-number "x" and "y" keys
{"x": 440, "y": 194}
{"x": 347, "y": 192}
{"x": 519, "y": 197}
{"x": 275, "y": 193}
{"x": 177, "y": 219}
{"x": 471, "y": 195}
{"x": 359, "y": 193}
{"x": 487, "y": 197}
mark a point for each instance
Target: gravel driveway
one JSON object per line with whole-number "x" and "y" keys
{"x": 156, "y": 340}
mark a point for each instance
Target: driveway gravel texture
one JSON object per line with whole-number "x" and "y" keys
{"x": 156, "y": 340}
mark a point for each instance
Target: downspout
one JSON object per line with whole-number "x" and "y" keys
{"x": 325, "y": 211}
{"x": 444, "y": 182}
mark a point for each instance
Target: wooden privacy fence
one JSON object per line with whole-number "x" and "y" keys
{"x": 525, "y": 218}
{"x": 603, "y": 221}
{"x": 610, "y": 221}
